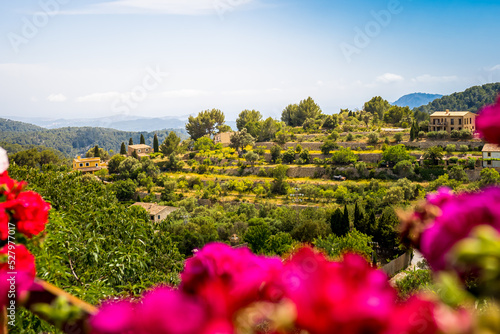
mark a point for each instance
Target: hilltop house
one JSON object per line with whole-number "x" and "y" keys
{"x": 141, "y": 149}
{"x": 452, "y": 120}
{"x": 156, "y": 212}
{"x": 491, "y": 151}
{"x": 88, "y": 165}
{"x": 224, "y": 138}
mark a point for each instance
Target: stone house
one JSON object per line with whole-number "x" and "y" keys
{"x": 452, "y": 120}
{"x": 156, "y": 212}
{"x": 141, "y": 149}
{"x": 491, "y": 151}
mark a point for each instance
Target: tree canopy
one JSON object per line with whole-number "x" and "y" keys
{"x": 296, "y": 115}
{"x": 206, "y": 123}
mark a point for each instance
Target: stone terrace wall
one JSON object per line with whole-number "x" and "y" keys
{"x": 315, "y": 146}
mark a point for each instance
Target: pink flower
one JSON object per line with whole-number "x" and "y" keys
{"x": 21, "y": 275}
{"x": 344, "y": 297}
{"x": 440, "y": 197}
{"x": 229, "y": 279}
{"x": 113, "y": 318}
{"x": 168, "y": 311}
{"x": 488, "y": 122}
{"x": 459, "y": 215}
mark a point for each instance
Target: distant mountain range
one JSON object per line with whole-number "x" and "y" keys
{"x": 416, "y": 100}
{"x": 119, "y": 122}
{"x": 472, "y": 99}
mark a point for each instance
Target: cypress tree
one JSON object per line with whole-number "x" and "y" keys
{"x": 135, "y": 155}
{"x": 131, "y": 142}
{"x": 143, "y": 141}
{"x": 359, "y": 219}
{"x": 371, "y": 227}
{"x": 346, "y": 225}
{"x": 96, "y": 152}
{"x": 156, "y": 147}
{"x": 123, "y": 150}
{"x": 336, "y": 222}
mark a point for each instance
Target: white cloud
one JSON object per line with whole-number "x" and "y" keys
{"x": 184, "y": 93}
{"x": 494, "y": 68}
{"x": 427, "y": 78}
{"x": 389, "y": 78}
{"x": 100, "y": 97}
{"x": 56, "y": 98}
{"x": 169, "y": 7}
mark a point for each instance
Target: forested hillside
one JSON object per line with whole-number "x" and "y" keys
{"x": 74, "y": 141}
{"x": 472, "y": 99}
{"x": 9, "y": 125}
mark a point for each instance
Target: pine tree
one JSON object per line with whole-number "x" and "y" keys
{"x": 96, "y": 152}
{"x": 156, "y": 147}
{"x": 143, "y": 141}
{"x": 123, "y": 150}
{"x": 131, "y": 142}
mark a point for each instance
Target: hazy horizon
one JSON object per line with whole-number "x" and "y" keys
{"x": 158, "y": 58}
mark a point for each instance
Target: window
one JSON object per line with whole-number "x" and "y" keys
{"x": 87, "y": 164}
{"x": 489, "y": 154}
{"x": 459, "y": 121}
{"x": 452, "y": 121}
{"x": 489, "y": 162}
{"x": 96, "y": 164}
{"x": 81, "y": 165}
{"x": 153, "y": 217}
{"x": 139, "y": 150}
{"x": 452, "y": 127}
{"x": 434, "y": 121}
{"x": 459, "y": 129}
{"x": 159, "y": 217}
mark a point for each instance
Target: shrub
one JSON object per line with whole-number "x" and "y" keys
{"x": 344, "y": 156}
{"x": 463, "y": 148}
{"x": 289, "y": 155}
{"x": 328, "y": 146}
{"x": 413, "y": 282}
{"x": 450, "y": 148}
{"x": 398, "y": 137}
{"x": 373, "y": 138}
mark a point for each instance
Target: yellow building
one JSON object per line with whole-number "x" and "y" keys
{"x": 88, "y": 165}
{"x": 452, "y": 120}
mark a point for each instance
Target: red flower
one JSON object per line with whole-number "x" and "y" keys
{"x": 30, "y": 211}
{"x": 488, "y": 122}
{"x": 10, "y": 188}
{"x": 4, "y": 223}
{"x": 416, "y": 316}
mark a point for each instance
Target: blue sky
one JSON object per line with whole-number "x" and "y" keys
{"x": 63, "y": 58}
